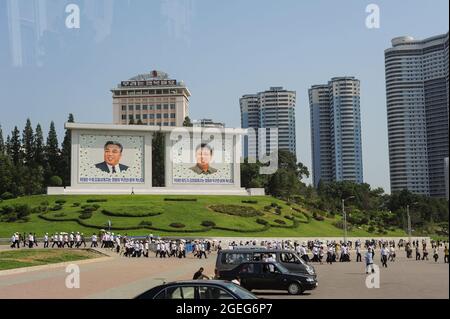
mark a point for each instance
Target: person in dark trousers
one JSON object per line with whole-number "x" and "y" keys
{"x": 417, "y": 253}
{"x": 358, "y": 254}
{"x": 199, "y": 275}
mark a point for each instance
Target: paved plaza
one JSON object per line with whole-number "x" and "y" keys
{"x": 120, "y": 277}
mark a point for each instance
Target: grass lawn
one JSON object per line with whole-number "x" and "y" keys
{"x": 189, "y": 213}
{"x": 35, "y": 257}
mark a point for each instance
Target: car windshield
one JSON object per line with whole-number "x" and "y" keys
{"x": 241, "y": 292}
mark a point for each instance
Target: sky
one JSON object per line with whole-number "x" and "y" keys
{"x": 220, "y": 49}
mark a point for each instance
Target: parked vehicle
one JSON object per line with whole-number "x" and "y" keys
{"x": 228, "y": 259}
{"x": 197, "y": 289}
{"x": 259, "y": 275}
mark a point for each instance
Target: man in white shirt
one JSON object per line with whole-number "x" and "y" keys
{"x": 46, "y": 240}
{"x": 94, "y": 240}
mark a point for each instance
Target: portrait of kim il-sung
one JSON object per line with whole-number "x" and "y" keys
{"x": 203, "y": 156}
{"x": 112, "y": 156}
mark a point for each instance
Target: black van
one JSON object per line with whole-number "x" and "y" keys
{"x": 257, "y": 275}
{"x": 227, "y": 259}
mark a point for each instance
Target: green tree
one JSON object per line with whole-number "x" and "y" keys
{"x": 15, "y": 147}
{"x": 52, "y": 153}
{"x": 33, "y": 177}
{"x": 2, "y": 142}
{"x": 158, "y": 151}
{"x": 187, "y": 122}
{"x": 131, "y": 121}
{"x": 66, "y": 150}
{"x": 28, "y": 143}
{"x": 39, "y": 148}
{"x": 6, "y": 170}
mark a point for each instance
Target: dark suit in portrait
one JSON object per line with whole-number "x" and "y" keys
{"x": 104, "y": 167}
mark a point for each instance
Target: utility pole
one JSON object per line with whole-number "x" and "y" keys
{"x": 345, "y": 222}
{"x": 409, "y": 222}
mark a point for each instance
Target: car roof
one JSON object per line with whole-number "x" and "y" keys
{"x": 253, "y": 250}
{"x": 209, "y": 281}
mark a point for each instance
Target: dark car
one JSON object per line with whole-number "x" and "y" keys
{"x": 270, "y": 276}
{"x": 198, "y": 289}
{"x": 228, "y": 259}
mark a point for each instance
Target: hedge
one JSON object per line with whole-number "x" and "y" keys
{"x": 262, "y": 221}
{"x": 7, "y": 195}
{"x": 236, "y": 210}
{"x": 56, "y": 207}
{"x": 181, "y": 199}
{"x": 145, "y": 223}
{"x": 99, "y": 200}
{"x": 85, "y": 215}
{"x": 122, "y": 214}
{"x": 264, "y": 228}
{"x": 177, "y": 225}
{"x": 60, "y": 201}
{"x": 318, "y": 217}
{"x": 208, "y": 223}
{"x": 249, "y": 201}
{"x": 279, "y": 221}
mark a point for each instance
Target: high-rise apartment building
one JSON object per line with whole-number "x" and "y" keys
{"x": 336, "y": 131}
{"x": 271, "y": 109}
{"x": 417, "y": 113}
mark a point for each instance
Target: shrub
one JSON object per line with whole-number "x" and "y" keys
{"x": 181, "y": 199}
{"x": 289, "y": 217}
{"x": 96, "y": 200}
{"x": 75, "y": 204}
{"x": 274, "y": 205}
{"x": 96, "y": 206}
{"x": 4, "y": 210}
{"x": 279, "y": 221}
{"x": 86, "y": 215}
{"x": 278, "y": 211}
{"x": 318, "y": 217}
{"x": 89, "y": 209}
{"x": 236, "y": 210}
{"x": 55, "y": 181}
{"x": 145, "y": 223}
{"x": 7, "y": 195}
{"x": 44, "y": 203}
{"x": 208, "y": 223}
{"x": 249, "y": 201}
{"x": 267, "y": 208}
{"x": 124, "y": 214}
{"x": 60, "y": 201}
{"x": 60, "y": 215}
{"x": 371, "y": 229}
{"x": 177, "y": 225}
{"x": 56, "y": 207}
{"x": 262, "y": 221}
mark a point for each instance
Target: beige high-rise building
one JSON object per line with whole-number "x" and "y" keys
{"x": 152, "y": 99}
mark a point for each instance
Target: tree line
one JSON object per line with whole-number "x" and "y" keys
{"x": 363, "y": 205}
{"x": 29, "y": 164}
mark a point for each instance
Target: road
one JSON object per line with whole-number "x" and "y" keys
{"x": 119, "y": 277}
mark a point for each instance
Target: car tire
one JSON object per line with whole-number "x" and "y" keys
{"x": 295, "y": 289}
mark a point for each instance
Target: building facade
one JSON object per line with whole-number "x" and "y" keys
{"x": 336, "y": 145}
{"x": 417, "y": 113}
{"x": 151, "y": 99}
{"x": 271, "y": 109}
{"x": 207, "y": 123}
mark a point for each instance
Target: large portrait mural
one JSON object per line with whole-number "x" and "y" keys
{"x": 111, "y": 159}
{"x": 210, "y": 163}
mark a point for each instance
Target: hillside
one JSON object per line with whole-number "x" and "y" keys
{"x": 170, "y": 215}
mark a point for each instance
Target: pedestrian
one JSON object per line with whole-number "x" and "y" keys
{"x": 46, "y": 240}
{"x": 199, "y": 275}
{"x": 446, "y": 254}
{"x": 435, "y": 254}
{"x": 384, "y": 256}
{"x": 369, "y": 261}
{"x": 358, "y": 253}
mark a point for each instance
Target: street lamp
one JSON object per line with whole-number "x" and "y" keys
{"x": 409, "y": 220}
{"x": 344, "y": 214}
